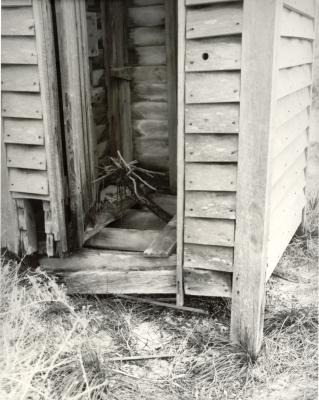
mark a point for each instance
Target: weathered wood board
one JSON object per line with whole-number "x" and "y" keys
{"x": 21, "y": 105}
{"x": 148, "y": 55}
{"x": 294, "y": 52}
{"x": 23, "y": 131}
{"x": 15, "y": 3}
{"x": 293, "y": 79}
{"x": 210, "y": 204}
{"x": 216, "y": 258}
{"x": 304, "y": 7}
{"x": 217, "y": 87}
{"x": 207, "y": 283}
{"x": 211, "y": 148}
{"x": 213, "y": 54}
{"x": 149, "y": 91}
{"x": 149, "y": 110}
{"x": 21, "y": 180}
{"x": 164, "y": 244}
{"x": 148, "y": 128}
{"x": 210, "y": 177}
{"x": 26, "y": 156}
{"x": 146, "y": 16}
{"x": 211, "y": 118}
{"x": 145, "y": 36}
{"x": 215, "y": 20}
{"x": 214, "y": 232}
{"x": 20, "y": 78}
{"x": 152, "y": 152}
{"x": 296, "y": 25}
{"x": 18, "y": 50}
{"x": 17, "y": 21}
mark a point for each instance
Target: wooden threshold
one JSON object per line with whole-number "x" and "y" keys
{"x": 101, "y": 272}
{"x": 164, "y": 244}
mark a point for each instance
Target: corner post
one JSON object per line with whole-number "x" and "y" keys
{"x": 257, "y": 102}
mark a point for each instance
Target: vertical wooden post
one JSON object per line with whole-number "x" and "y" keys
{"x": 180, "y": 150}
{"x": 257, "y": 102}
{"x": 171, "y": 50}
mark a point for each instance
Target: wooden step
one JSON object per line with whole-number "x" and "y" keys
{"x": 164, "y": 244}
{"x": 123, "y": 239}
{"x": 101, "y": 271}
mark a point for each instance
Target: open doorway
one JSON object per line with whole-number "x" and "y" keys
{"x": 129, "y": 197}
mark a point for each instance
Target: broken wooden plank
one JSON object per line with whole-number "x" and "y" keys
{"x": 106, "y": 216}
{"x": 216, "y": 258}
{"x": 164, "y": 244}
{"x": 122, "y": 239}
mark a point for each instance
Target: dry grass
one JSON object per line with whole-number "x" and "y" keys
{"x": 56, "y": 347}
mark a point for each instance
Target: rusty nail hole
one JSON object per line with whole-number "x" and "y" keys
{"x": 191, "y": 62}
{"x": 205, "y": 56}
{"x": 234, "y": 123}
{"x": 190, "y": 123}
{"x": 237, "y": 23}
{"x": 238, "y": 292}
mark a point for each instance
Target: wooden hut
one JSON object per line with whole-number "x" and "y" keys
{"x": 214, "y": 94}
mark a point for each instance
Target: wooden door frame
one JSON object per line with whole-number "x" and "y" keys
{"x": 78, "y": 118}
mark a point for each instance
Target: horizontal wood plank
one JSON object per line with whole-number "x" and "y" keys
{"x": 152, "y": 153}
{"x": 149, "y": 110}
{"x": 20, "y": 78}
{"x": 17, "y": 21}
{"x": 148, "y": 128}
{"x": 148, "y": 55}
{"x": 165, "y": 243}
{"x": 214, "y": 20}
{"x": 213, "y": 54}
{"x": 149, "y": 74}
{"x": 293, "y": 79}
{"x": 281, "y": 189}
{"x": 211, "y": 148}
{"x": 143, "y": 36}
{"x": 27, "y": 181}
{"x": 287, "y": 157}
{"x": 149, "y": 92}
{"x": 304, "y": 7}
{"x": 216, "y": 232}
{"x": 146, "y": 16}
{"x": 289, "y": 106}
{"x": 23, "y": 131}
{"x": 294, "y": 52}
{"x": 15, "y": 3}
{"x": 212, "y": 87}
{"x": 289, "y": 131}
{"x": 18, "y": 50}
{"x": 146, "y": 2}
{"x": 26, "y": 156}
{"x": 212, "y": 118}
{"x": 202, "y": 2}
{"x": 207, "y": 283}
{"x": 216, "y": 258}
{"x": 210, "y": 205}
{"x": 210, "y": 177}
{"x": 122, "y": 239}
{"x": 21, "y": 105}
{"x": 295, "y": 25}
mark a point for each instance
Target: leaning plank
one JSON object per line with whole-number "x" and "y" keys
{"x": 294, "y": 52}
{"x": 106, "y": 216}
{"x": 165, "y": 201}
{"x": 20, "y": 78}
{"x": 23, "y": 131}
{"x": 17, "y": 22}
{"x": 26, "y": 156}
{"x": 210, "y": 204}
{"x": 289, "y": 131}
{"x": 289, "y": 106}
{"x": 145, "y": 36}
{"x": 18, "y": 50}
{"x": 146, "y": 16}
{"x": 21, "y": 105}
{"x": 213, "y": 54}
{"x": 122, "y": 239}
{"x": 214, "y": 20}
{"x": 210, "y": 177}
{"x": 211, "y": 118}
{"x": 28, "y": 181}
{"x": 304, "y": 7}
{"x": 216, "y": 258}
{"x": 212, "y": 87}
{"x": 295, "y": 25}
{"x": 293, "y": 79}
{"x": 216, "y": 232}
{"x": 207, "y": 283}
{"x": 164, "y": 244}
{"x": 211, "y": 148}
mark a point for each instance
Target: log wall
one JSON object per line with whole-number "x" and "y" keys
{"x": 211, "y": 126}
{"x": 291, "y": 125}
